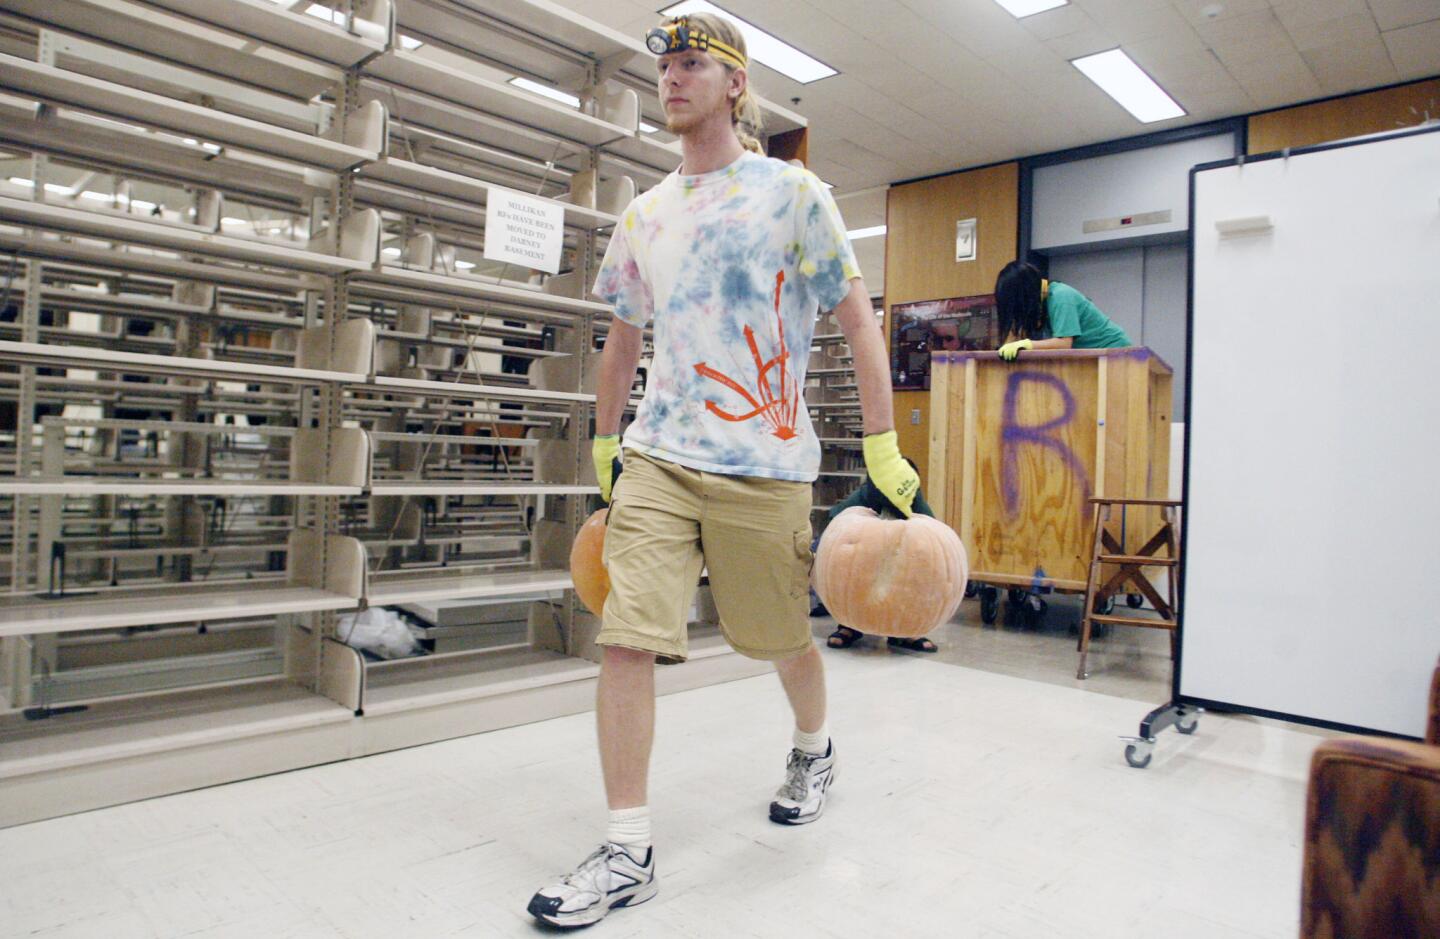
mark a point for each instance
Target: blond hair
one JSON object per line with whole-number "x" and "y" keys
{"x": 744, "y": 110}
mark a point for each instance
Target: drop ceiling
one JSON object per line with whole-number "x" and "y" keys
{"x": 927, "y": 86}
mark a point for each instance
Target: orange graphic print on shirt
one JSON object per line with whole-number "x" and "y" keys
{"x": 777, "y": 410}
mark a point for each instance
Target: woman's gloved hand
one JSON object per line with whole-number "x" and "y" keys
{"x": 1011, "y": 350}
{"x": 605, "y": 451}
{"x": 895, "y": 479}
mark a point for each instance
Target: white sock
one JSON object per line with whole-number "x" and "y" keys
{"x": 630, "y": 827}
{"x": 814, "y": 744}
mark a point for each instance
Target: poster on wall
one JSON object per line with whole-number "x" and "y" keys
{"x": 926, "y": 326}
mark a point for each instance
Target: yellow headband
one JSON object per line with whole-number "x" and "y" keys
{"x": 678, "y": 36}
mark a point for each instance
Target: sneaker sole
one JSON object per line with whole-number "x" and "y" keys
{"x": 582, "y": 918}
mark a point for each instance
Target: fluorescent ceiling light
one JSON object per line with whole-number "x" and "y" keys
{"x": 1019, "y": 8}
{"x": 409, "y": 42}
{"x": 545, "y": 91}
{"x": 464, "y": 266}
{"x": 647, "y": 128}
{"x": 1120, "y": 78}
{"x": 763, "y": 47}
{"x": 859, "y": 233}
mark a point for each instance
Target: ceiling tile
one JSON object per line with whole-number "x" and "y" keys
{"x": 1137, "y": 21}
{"x": 1271, "y": 81}
{"x": 1250, "y": 29}
{"x": 1085, "y": 42}
{"x": 1415, "y": 50}
{"x": 1351, "y": 66}
{"x": 1106, "y": 11}
{"x": 1061, "y": 21}
{"x": 1316, "y": 34}
{"x": 1228, "y": 9}
{"x": 1178, "y": 47}
{"x": 1311, "y": 12}
{"x": 981, "y": 27}
{"x": 1397, "y": 14}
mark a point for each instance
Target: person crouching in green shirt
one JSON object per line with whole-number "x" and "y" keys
{"x": 1035, "y": 313}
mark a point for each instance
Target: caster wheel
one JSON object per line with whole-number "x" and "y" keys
{"x": 1134, "y": 601}
{"x": 1033, "y": 612}
{"x": 1016, "y": 596}
{"x": 1133, "y": 759}
{"x": 1187, "y": 727}
{"x": 971, "y": 590}
{"x": 989, "y": 605}
{"x": 1105, "y": 607}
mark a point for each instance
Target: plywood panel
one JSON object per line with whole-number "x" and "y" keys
{"x": 1036, "y": 432}
{"x": 1028, "y": 444}
{"x": 920, "y": 233}
{"x": 1337, "y": 119}
{"x": 920, "y": 260}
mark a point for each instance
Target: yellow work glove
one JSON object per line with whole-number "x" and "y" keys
{"x": 605, "y": 451}
{"x": 1011, "y": 350}
{"x": 895, "y": 478}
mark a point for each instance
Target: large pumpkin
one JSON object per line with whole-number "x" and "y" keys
{"x": 587, "y": 563}
{"x": 891, "y": 577}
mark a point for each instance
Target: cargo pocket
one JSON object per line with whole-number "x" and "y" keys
{"x": 804, "y": 561}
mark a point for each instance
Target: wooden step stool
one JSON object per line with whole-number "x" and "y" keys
{"x": 1132, "y": 571}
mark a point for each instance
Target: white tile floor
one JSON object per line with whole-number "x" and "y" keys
{"x": 968, "y": 804}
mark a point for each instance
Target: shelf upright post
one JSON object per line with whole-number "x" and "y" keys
{"x": 18, "y": 652}
{"x": 304, "y": 646}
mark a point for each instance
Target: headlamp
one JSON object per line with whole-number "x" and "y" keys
{"x": 678, "y": 36}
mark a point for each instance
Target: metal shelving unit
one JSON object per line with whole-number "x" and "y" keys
{"x": 255, "y": 373}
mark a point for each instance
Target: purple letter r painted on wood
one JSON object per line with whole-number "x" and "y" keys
{"x": 1013, "y": 435}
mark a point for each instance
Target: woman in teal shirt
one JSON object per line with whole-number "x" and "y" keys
{"x": 1035, "y": 313}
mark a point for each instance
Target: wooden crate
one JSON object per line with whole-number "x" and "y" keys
{"x": 1018, "y": 448}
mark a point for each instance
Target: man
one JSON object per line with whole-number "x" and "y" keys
{"x": 731, "y": 256}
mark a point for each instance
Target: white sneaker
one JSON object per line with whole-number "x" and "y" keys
{"x": 807, "y": 779}
{"x": 609, "y": 878}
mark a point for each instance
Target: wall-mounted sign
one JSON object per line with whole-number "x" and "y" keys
{"x": 965, "y": 246}
{"x": 523, "y": 230}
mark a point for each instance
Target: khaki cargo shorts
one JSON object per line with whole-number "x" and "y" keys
{"x": 753, "y": 536}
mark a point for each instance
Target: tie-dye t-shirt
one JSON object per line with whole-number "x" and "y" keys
{"x": 732, "y": 266}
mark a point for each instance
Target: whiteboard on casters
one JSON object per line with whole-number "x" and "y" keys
{"x": 1312, "y": 516}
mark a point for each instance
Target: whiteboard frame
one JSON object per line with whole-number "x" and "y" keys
{"x": 1177, "y": 673}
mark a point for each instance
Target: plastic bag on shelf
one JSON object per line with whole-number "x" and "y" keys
{"x": 378, "y": 631}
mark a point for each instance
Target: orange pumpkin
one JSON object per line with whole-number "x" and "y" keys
{"x": 587, "y": 563}
{"x": 891, "y": 577}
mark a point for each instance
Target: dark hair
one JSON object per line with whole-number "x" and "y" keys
{"x": 1021, "y": 313}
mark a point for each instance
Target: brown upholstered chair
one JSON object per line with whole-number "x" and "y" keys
{"x": 1372, "y": 837}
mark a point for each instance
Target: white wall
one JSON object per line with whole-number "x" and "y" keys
{"x": 1151, "y": 179}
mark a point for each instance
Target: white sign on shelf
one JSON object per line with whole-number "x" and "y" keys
{"x": 523, "y": 230}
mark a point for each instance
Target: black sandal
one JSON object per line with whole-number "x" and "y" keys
{"x": 918, "y": 644}
{"x": 843, "y": 637}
